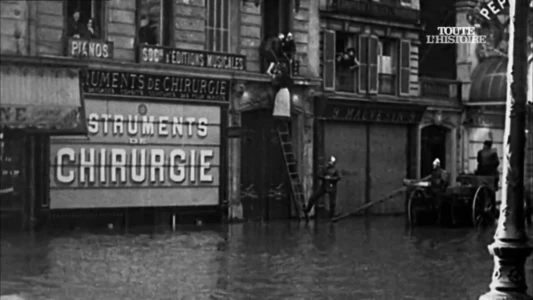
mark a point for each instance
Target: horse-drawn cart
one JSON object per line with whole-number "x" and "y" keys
{"x": 472, "y": 201}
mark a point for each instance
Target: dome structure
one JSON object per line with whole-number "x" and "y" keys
{"x": 489, "y": 81}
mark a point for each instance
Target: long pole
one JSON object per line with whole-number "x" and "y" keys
{"x": 511, "y": 248}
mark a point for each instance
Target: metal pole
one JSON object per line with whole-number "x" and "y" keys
{"x": 511, "y": 248}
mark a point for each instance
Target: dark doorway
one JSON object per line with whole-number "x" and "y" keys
{"x": 433, "y": 145}
{"x": 265, "y": 189}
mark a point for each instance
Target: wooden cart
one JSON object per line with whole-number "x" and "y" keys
{"x": 471, "y": 202}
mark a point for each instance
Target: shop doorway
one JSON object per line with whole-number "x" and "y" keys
{"x": 265, "y": 188}
{"x": 433, "y": 145}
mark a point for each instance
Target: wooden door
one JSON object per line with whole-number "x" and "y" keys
{"x": 264, "y": 180}
{"x": 347, "y": 142}
{"x": 388, "y": 146}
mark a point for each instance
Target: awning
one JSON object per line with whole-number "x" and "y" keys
{"x": 489, "y": 81}
{"x": 41, "y": 99}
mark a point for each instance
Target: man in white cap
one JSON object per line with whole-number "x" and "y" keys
{"x": 329, "y": 177}
{"x": 439, "y": 183}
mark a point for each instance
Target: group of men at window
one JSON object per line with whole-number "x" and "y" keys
{"x": 81, "y": 27}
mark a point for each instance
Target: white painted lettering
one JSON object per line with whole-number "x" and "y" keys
{"x": 163, "y": 123}
{"x": 192, "y": 166}
{"x": 118, "y": 163}
{"x": 92, "y": 125}
{"x": 177, "y": 168}
{"x": 65, "y": 153}
{"x": 205, "y": 165}
{"x": 147, "y": 126}
{"x": 202, "y": 127}
{"x": 118, "y": 128}
{"x": 87, "y": 164}
{"x": 138, "y": 163}
{"x": 157, "y": 162}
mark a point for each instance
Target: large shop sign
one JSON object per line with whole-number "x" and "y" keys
{"x": 182, "y": 57}
{"x": 137, "y": 150}
{"x": 96, "y": 49}
{"x": 150, "y": 85}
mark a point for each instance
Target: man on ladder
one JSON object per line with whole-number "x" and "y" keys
{"x": 329, "y": 176}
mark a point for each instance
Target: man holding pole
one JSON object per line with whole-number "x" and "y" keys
{"x": 329, "y": 177}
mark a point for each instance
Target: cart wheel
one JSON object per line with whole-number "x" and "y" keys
{"x": 483, "y": 206}
{"x": 416, "y": 200}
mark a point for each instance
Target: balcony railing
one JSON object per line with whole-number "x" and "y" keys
{"x": 371, "y": 9}
{"x": 434, "y": 88}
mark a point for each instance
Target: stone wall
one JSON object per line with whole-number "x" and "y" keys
{"x": 45, "y": 21}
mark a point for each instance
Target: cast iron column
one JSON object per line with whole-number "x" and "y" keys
{"x": 511, "y": 248}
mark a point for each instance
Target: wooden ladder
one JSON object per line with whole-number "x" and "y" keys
{"x": 292, "y": 169}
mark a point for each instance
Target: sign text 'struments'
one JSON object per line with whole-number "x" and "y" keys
{"x": 138, "y": 84}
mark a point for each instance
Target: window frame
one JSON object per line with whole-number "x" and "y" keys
{"x": 165, "y": 12}
{"x": 103, "y": 26}
{"x": 216, "y": 29}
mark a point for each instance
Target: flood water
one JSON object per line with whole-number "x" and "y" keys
{"x": 378, "y": 258}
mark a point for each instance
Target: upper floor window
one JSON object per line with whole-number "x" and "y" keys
{"x": 155, "y": 22}
{"x": 346, "y": 62}
{"x": 388, "y": 66}
{"x": 276, "y": 21}
{"x": 85, "y": 19}
{"x": 380, "y": 65}
{"x": 217, "y": 25}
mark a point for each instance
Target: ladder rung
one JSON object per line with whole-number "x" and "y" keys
{"x": 283, "y": 132}
{"x": 293, "y": 174}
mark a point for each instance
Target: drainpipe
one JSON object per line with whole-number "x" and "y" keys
{"x": 511, "y": 248}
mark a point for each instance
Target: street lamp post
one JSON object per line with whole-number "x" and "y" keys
{"x": 511, "y": 245}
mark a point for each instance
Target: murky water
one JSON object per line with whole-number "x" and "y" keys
{"x": 354, "y": 259}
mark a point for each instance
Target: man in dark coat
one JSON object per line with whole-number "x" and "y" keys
{"x": 329, "y": 176}
{"x": 488, "y": 162}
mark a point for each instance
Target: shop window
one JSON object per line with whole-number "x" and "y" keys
{"x": 217, "y": 25}
{"x": 346, "y": 62}
{"x": 85, "y": 19}
{"x": 155, "y": 25}
{"x": 388, "y": 66}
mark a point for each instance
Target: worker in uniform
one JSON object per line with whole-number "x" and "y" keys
{"x": 488, "y": 162}
{"x": 329, "y": 176}
{"x": 439, "y": 182}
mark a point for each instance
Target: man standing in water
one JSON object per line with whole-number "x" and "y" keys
{"x": 329, "y": 177}
{"x": 439, "y": 183}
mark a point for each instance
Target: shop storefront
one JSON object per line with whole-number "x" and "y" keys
{"x": 485, "y": 111}
{"x": 153, "y": 141}
{"x": 38, "y": 101}
{"x": 375, "y": 147}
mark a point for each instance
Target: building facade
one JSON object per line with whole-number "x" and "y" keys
{"x": 170, "y": 107}
{"x": 382, "y": 121}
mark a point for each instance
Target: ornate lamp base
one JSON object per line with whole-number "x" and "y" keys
{"x": 509, "y": 276}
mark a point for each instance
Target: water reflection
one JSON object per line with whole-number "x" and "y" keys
{"x": 356, "y": 259}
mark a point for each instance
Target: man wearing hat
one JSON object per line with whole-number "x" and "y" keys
{"x": 439, "y": 182}
{"x": 488, "y": 162}
{"x": 329, "y": 177}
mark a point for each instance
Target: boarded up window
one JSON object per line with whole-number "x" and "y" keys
{"x": 363, "y": 64}
{"x": 405, "y": 67}
{"x": 329, "y": 60}
{"x": 373, "y": 65}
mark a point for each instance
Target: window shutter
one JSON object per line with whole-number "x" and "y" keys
{"x": 329, "y": 60}
{"x": 363, "y": 64}
{"x": 373, "y": 64}
{"x": 405, "y": 67}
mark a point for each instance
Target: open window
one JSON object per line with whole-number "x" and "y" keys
{"x": 85, "y": 19}
{"x": 217, "y": 25}
{"x": 155, "y": 25}
{"x": 276, "y": 19}
{"x": 347, "y": 68}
